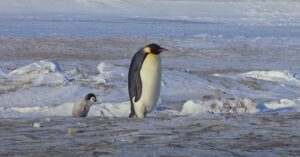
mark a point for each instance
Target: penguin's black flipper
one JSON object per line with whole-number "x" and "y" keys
{"x": 134, "y": 79}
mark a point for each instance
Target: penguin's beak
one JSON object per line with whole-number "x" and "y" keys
{"x": 163, "y": 49}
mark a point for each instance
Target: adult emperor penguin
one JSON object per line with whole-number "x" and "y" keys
{"x": 144, "y": 80}
{"x": 81, "y": 109}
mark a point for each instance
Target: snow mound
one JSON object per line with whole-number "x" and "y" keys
{"x": 41, "y": 72}
{"x": 43, "y": 66}
{"x": 238, "y": 106}
{"x": 110, "y": 72}
{"x": 279, "y": 105}
{"x": 218, "y": 106}
{"x": 184, "y": 85}
{"x": 17, "y": 112}
{"x": 64, "y": 109}
{"x": 76, "y": 74}
{"x": 121, "y": 109}
{"x": 43, "y": 83}
{"x": 37, "y": 111}
{"x": 259, "y": 85}
{"x": 277, "y": 76}
{"x": 44, "y": 96}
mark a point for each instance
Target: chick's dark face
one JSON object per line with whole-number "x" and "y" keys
{"x": 155, "y": 49}
{"x": 91, "y": 97}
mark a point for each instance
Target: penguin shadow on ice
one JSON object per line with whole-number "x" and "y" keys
{"x": 82, "y": 108}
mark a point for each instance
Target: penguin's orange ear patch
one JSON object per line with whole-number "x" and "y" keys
{"x": 147, "y": 50}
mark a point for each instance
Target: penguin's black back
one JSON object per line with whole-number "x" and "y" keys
{"x": 134, "y": 78}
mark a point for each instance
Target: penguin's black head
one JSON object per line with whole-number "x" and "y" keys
{"x": 154, "y": 49}
{"x": 91, "y": 97}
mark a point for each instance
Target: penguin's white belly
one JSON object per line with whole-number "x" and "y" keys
{"x": 151, "y": 82}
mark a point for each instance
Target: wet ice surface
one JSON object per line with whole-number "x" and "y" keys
{"x": 270, "y": 134}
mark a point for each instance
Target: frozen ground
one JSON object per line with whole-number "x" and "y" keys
{"x": 268, "y": 134}
{"x": 231, "y": 82}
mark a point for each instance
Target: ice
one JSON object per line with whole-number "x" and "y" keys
{"x": 261, "y": 84}
{"x": 111, "y": 72}
{"x": 282, "y": 103}
{"x": 219, "y": 106}
{"x": 238, "y": 106}
{"x": 50, "y": 91}
{"x": 44, "y": 66}
{"x": 110, "y": 109}
{"x": 41, "y": 83}
{"x": 184, "y": 85}
{"x": 64, "y": 109}
{"x": 76, "y": 74}
{"x": 2, "y": 73}
{"x": 42, "y": 72}
{"x": 279, "y": 106}
{"x": 276, "y": 76}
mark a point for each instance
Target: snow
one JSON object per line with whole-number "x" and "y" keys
{"x": 184, "y": 85}
{"x": 277, "y": 76}
{"x": 121, "y": 109}
{"x": 2, "y": 73}
{"x": 41, "y": 66}
{"x": 46, "y": 90}
{"x": 108, "y": 71}
{"x": 217, "y": 106}
{"x": 281, "y": 104}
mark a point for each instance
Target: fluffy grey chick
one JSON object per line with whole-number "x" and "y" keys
{"x": 81, "y": 109}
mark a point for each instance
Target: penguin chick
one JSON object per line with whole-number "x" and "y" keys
{"x": 81, "y": 109}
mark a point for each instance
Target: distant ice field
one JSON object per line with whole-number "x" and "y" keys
{"x": 97, "y": 26}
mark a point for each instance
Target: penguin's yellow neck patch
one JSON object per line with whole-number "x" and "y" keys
{"x": 147, "y": 50}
